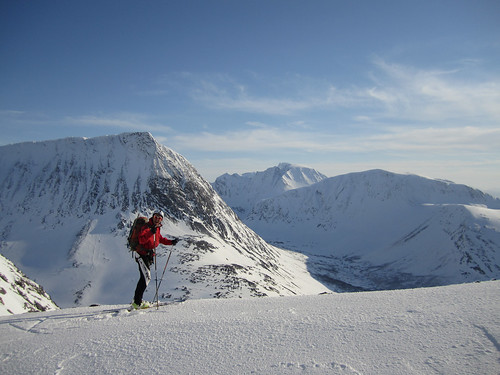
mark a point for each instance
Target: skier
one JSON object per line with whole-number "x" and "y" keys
{"x": 149, "y": 239}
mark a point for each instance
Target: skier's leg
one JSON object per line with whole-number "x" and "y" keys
{"x": 143, "y": 281}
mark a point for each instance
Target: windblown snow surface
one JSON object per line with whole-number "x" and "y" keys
{"x": 441, "y": 330}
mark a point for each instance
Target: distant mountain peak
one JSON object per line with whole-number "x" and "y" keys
{"x": 286, "y": 166}
{"x": 242, "y": 192}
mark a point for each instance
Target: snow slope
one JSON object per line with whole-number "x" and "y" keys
{"x": 442, "y": 330}
{"x": 381, "y": 230}
{"x": 67, "y": 206}
{"x": 242, "y": 192}
{"x": 18, "y": 294}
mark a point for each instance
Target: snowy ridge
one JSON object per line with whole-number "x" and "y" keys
{"x": 443, "y": 330}
{"x": 242, "y": 192}
{"x": 67, "y": 207}
{"x": 18, "y": 294}
{"x": 381, "y": 230}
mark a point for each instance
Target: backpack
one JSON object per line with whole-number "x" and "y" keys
{"x": 133, "y": 236}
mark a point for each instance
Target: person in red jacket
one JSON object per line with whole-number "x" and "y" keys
{"x": 149, "y": 239}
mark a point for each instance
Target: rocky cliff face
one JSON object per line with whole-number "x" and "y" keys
{"x": 19, "y": 294}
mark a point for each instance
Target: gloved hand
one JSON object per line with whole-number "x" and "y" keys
{"x": 174, "y": 241}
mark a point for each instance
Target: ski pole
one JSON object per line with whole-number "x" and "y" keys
{"x": 156, "y": 275}
{"x": 154, "y": 259}
{"x": 161, "y": 279}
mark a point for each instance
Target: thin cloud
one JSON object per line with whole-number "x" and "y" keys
{"x": 223, "y": 93}
{"x": 10, "y": 112}
{"x": 392, "y": 92}
{"x": 257, "y": 139}
{"x": 128, "y": 121}
{"x": 397, "y": 139}
{"x": 457, "y": 139}
{"x": 243, "y": 102}
{"x": 434, "y": 95}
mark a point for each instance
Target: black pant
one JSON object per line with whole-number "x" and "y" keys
{"x": 144, "y": 263}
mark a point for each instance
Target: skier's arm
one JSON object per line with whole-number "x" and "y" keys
{"x": 166, "y": 241}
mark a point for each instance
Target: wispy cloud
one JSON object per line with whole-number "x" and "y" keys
{"x": 391, "y": 92}
{"x": 401, "y": 110}
{"x": 128, "y": 121}
{"x": 395, "y": 139}
{"x": 257, "y": 139}
{"x": 10, "y": 112}
{"x": 443, "y": 140}
{"x": 258, "y": 95}
{"x": 237, "y": 98}
{"x": 434, "y": 96}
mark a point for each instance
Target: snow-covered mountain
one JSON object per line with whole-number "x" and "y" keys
{"x": 67, "y": 206}
{"x": 381, "y": 230}
{"x": 18, "y": 294}
{"x": 242, "y": 192}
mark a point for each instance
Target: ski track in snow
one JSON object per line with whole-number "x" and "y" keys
{"x": 442, "y": 330}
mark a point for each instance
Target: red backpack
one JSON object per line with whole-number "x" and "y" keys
{"x": 133, "y": 236}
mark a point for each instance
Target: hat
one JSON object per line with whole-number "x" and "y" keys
{"x": 159, "y": 212}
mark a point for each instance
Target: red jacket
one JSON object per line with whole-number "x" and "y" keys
{"x": 149, "y": 240}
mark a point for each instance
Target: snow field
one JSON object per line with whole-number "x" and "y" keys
{"x": 443, "y": 330}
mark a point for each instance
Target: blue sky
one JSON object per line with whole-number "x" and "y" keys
{"x": 238, "y": 86}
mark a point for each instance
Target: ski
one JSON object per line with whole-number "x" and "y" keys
{"x": 154, "y": 305}
{"x": 129, "y": 308}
